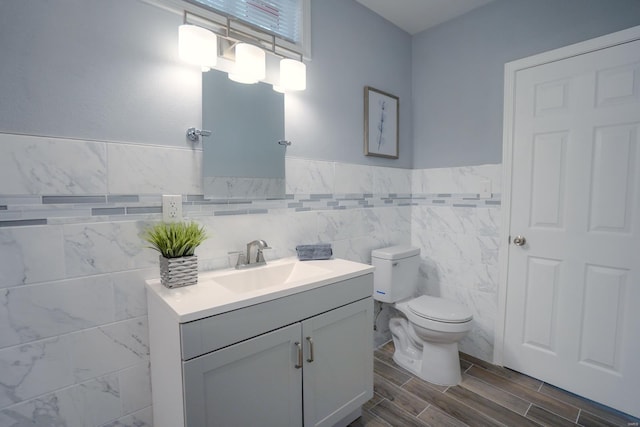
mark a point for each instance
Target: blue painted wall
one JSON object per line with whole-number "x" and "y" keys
{"x": 93, "y": 69}
{"x": 101, "y": 70}
{"x": 352, "y": 47}
{"x": 61, "y": 75}
{"x": 458, "y": 69}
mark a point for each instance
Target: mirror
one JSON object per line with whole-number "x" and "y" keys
{"x": 242, "y": 158}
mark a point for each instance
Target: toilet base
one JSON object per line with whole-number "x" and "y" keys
{"x": 437, "y": 363}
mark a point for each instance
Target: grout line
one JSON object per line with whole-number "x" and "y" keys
{"x": 530, "y": 404}
{"x": 539, "y": 390}
{"x": 465, "y": 402}
{"x": 504, "y": 376}
{"x": 373, "y": 406}
{"x": 399, "y": 369}
{"x": 466, "y": 370}
{"x": 562, "y": 402}
{"x": 382, "y": 420}
{"x": 576, "y": 406}
{"x": 502, "y": 389}
{"x": 527, "y": 411}
{"x": 399, "y": 408}
{"x": 421, "y": 412}
{"x": 375, "y": 415}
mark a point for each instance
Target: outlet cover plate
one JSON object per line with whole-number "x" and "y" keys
{"x": 171, "y": 208}
{"x": 485, "y": 189}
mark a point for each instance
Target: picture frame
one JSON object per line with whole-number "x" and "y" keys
{"x": 381, "y": 119}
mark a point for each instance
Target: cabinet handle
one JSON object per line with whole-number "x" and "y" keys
{"x": 311, "y": 357}
{"x": 300, "y": 357}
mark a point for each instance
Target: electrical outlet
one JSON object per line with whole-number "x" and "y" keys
{"x": 171, "y": 208}
{"x": 485, "y": 189}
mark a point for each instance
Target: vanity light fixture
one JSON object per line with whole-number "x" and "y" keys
{"x": 250, "y": 64}
{"x": 197, "y": 46}
{"x": 293, "y": 76}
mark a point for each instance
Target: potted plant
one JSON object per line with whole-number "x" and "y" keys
{"x": 176, "y": 242}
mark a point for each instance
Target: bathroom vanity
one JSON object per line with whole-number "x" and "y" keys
{"x": 286, "y": 344}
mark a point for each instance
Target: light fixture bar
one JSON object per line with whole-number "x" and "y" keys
{"x": 236, "y": 31}
{"x": 250, "y": 46}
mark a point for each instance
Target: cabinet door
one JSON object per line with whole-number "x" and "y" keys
{"x": 338, "y": 379}
{"x": 252, "y": 383}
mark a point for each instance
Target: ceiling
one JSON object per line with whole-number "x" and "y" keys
{"x": 415, "y": 16}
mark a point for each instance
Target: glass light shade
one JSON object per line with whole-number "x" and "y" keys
{"x": 197, "y": 46}
{"x": 293, "y": 75}
{"x": 250, "y": 66}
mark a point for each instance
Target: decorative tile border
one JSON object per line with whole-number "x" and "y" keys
{"x": 58, "y": 200}
{"x": 22, "y": 222}
{"x": 41, "y": 210}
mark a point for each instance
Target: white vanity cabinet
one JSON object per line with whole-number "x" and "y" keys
{"x": 305, "y": 359}
{"x": 261, "y": 381}
{"x": 339, "y": 377}
{"x": 251, "y": 383}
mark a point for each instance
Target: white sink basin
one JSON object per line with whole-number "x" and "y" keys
{"x": 268, "y": 276}
{"x": 221, "y": 291}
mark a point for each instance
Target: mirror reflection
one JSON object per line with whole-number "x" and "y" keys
{"x": 242, "y": 157}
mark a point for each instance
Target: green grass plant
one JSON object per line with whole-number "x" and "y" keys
{"x": 175, "y": 239}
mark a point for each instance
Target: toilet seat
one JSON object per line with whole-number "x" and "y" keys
{"x": 439, "y": 310}
{"x": 435, "y": 325}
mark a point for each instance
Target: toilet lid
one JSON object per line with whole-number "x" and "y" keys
{"x": 439, "y": 309}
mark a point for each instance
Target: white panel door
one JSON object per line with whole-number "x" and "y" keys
{"x": 573, "y": 289}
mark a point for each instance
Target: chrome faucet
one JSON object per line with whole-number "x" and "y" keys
{"x": 245, "y": 261}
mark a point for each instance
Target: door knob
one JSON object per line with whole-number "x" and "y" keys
{"x": 519, "y": 240}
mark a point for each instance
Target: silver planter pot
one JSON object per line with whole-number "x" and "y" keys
{"x": 178, "y": 272}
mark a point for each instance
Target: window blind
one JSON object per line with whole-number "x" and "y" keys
{"x": 283, "y": 18}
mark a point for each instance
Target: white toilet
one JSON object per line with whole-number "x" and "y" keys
{"x": 426, "y": 340}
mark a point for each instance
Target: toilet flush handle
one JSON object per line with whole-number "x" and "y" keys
{"x": 395, "y": 264}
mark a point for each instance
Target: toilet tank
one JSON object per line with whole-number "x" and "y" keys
{"x": 396, "y": 272}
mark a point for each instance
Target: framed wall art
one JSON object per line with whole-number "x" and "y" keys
{"x": 381, "y": 117}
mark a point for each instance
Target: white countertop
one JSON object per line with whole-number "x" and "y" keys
{"x": 208, "y": 298}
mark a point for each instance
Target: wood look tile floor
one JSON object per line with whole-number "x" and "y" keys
{"x": 488, "y": 395}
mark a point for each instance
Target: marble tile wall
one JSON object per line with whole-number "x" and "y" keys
{"x": 73, "y": 325}
{"x": 459, "y": 242}
{"x": 73, "y": 331}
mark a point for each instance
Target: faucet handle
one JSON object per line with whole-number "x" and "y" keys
{"x": 241, "y": 260}
{"x": 260, "y": 255}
